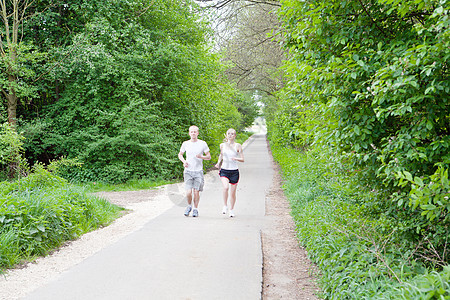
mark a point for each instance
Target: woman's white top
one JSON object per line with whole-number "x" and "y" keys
{"x": 229, "y": 152}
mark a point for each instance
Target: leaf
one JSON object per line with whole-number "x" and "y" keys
{"x": 444, "y": 179}
{"x": 418, "y": 181}
{"x": 407, "y": 175}
{"x": 428, "y": 207}
{"x": 439, "y": 10}
{"x": 414, "y": 83}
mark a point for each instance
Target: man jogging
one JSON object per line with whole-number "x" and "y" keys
{"x": 196, "y": 151}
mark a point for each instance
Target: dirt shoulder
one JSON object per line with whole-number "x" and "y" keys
{"x": 287, "y": 273}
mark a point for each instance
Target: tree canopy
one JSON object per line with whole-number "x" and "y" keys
{"x": 370, "y": 79}
{"x": 117, "y": 84}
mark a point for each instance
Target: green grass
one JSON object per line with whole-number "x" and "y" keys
{"x": 42, "y": 211}
{"x": 131, "y": 185}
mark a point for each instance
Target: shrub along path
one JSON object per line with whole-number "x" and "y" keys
{"x": 210, "y": 257}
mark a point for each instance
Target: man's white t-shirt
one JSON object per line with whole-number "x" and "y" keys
{"x": 192, "y": 149}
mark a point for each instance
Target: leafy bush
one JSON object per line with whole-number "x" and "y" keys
{"x": 361, "y": 254}
{"x": 377, "y": 93}
{"x": 11, "y": 150}
{"x": 42, "y": 211}
{"x": 10, "y": 144}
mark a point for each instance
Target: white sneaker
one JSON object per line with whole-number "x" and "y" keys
{"x": 231, "y": 213}
{"x": 224, "y": 209}
{"x": 188, "y": 210}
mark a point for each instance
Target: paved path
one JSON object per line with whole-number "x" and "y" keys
{"x": 176, "y": 257}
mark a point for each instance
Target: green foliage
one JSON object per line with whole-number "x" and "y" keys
{"x": 122, "y": 93}
{"x": 281, "y": 117}
{"x": 431, "y": 196}
{"x": 434, "y": 285}
{"x": 361, "y": 255}
{"x": 11, "y": 145}
{"x": 291, "y": 124}
{"x": 370, "y": 81}
{"x": 247, "y": 108}
{"x": 41, "y": 211}
{"x": 16, "y": 62}
{"x": 136, "y": 144}
{"x": 39, "y": 178}
{"x": 242, "y": 137}
{"x": 55, "y": 166}
{"x": 12, "y": 163}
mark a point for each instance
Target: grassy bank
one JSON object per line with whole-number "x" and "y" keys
{"x": 42, "y": 211}
{"x": 358, "y": 252}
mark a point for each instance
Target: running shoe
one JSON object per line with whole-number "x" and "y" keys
{"x": 195, "y": 213}
{"x": 231, "y": 213}
{"x": 187, "y": 211}
{"x": 225, "y": 209}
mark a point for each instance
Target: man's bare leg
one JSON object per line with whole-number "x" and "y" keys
{"x": 196, "y": 201}
{"x": 189, "y": 197}
{"x": 196, "y": 198}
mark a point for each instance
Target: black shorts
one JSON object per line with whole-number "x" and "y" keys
{"x": 232, "y": 175}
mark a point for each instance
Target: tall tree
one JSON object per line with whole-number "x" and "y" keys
{"x": 245, "y": 31}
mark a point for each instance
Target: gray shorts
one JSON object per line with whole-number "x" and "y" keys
{"x": 193, "y": 180}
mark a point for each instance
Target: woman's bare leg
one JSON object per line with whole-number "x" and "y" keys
{"x": 233, "y": 188}
{"x": 225, "y": 184}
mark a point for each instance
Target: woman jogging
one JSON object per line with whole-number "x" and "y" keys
{"x": 230, "y": 154}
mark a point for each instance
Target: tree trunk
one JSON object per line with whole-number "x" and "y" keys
{"x": 12, "y": 107}
{"x": 12, "y": 120}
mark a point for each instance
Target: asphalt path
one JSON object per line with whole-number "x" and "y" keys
{"x": 177, "y": 257}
